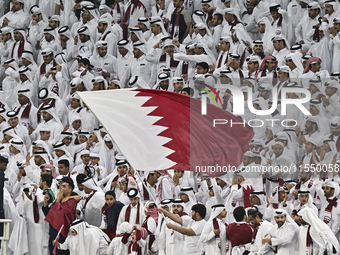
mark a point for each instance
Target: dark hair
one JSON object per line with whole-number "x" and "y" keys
{"x": 200, "y": 209}
{"x": 204, "y": 65}
{"x": 80, "y": 178}
{"x": 239, "y": 213}
{"x": 85, "y": 61}
{"x": 47, "y": 178}
{"x": 219, "y": 17}
{"x": 109, "y": 2}
{"x": 64, "y": 162}
{"x": 110, "y": 193}
{"x": 254, "y": 212}
{"x": 189, "y": 90}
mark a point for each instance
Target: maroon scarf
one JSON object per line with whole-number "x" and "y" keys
{"x": 309, "y": 243}
{"x": 209, "y": 16}
{"x": 176, "y": 27}
{"x": 119, "y": 15}
{"x": 185, "y": 68}
{"x": 145, "y": 192}
{"x": 331, "y": 203}
{"x": 104, "y": 37}
{"x": 20, "y": 50}
{"x": 152, "y": 236}
{"x": 133, "y": 246}
{"x": 279, "y": 23}
{"x": 298, "y": 185}
{"x": 173, "y": 63}
{"x": 106, "y": 207}
{"x": 316, "y": 35}
{"x": 241, "y": 76}
{"x": 35, "y": 209}
{"x": 43, "y": 67}
{"x": 311, "y": 162}
{"x": 115, "y": 179}
{"x": 26, "y": 113}
{"x": 220, "y": 60}
{"x": 232, "y": 24}
{"x": 88, "y": 199}
{"x": 128, "y": 212}
{"x": 337, "y": 142}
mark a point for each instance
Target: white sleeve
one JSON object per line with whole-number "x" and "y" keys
{"x": 31, "y": 175}
{"x": 207, "y": 232}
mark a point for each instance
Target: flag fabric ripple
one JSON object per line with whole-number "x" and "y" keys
{"x": 157, "y": 130}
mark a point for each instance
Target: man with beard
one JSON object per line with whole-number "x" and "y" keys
{"x": 139, "y": 66}
{"x": 174, "y": 240}
{"x": 246, "y": 19}
{"x": 164, "y": 81}
{"x": 258, "y": 49}
{"x": 261, "y": 227}
{"x": 16, "y": 18}
{"x": 282, "y": 237}
{"x": 66, "y": 43}
{"x": 314, "y": 235}
{"x": 82, "y": 39}
{"x": 214, "y": 233}
{"x": 20, "y": 45}
{"x": 305, "y": 183}
{"x": 104, "y": 64}
{"x": 191, "y": 228}
{"x": 330, "y": 12}
{"x": 216, "y": 24}
{"x": 335, "y": 127}
{"x": 180, "y": 21}
{"x": 329, "y": 204}
{"x": 105, "y": 34}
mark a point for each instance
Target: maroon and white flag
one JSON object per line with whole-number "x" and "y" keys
{"x": 159, "y": 130}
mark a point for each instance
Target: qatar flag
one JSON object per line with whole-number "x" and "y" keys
{"x": 159, "y": 130}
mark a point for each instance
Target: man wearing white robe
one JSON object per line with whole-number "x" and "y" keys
{"x": 51, "y": 120}
{"x": 27, "y": 113}
{"x": 132, "y": 208}
{"x": 105, "y": 34}
{"x": 261, "y": 227}
{"x": 93, "y": 203}
{"x": 335, "y": 44}
{"x": 305, "y": 26}
{"x": 323, "y": 240}
{"x": 124, "y": 57}
{"x": 17, "y": 18}
{"x": 329, "y": 206}
{"x": 282, "y": 236}
{"x": 104, "y": 63}
{"x": 214, "y": 233}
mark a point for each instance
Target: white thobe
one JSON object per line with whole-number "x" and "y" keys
{"x": 17, "y": 20}
{"x": 284, "y": 238}
{"x": 208, "y": 237}
{"x": 142, "y": 68}
{"x": 133, "y": 215}
{"x": 93, "y": 209}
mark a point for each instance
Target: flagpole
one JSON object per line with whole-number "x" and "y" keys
{"x": 150, "y": 193}
{"x": 56, "y": 240}
{"x": 147, "y": 188}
